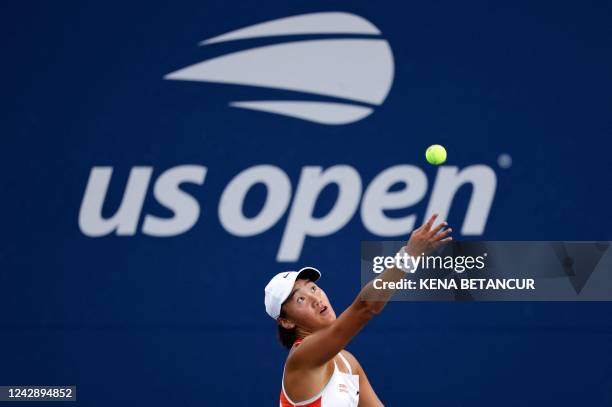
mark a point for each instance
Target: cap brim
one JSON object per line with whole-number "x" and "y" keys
{"x": 310, "y": 273}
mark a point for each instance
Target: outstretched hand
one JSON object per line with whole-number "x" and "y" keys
{"x": 425, "y": 240}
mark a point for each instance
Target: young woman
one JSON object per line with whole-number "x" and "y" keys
{"x": 318, "y": 371}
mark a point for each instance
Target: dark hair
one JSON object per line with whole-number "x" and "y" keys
{"x": 286, "y": 336}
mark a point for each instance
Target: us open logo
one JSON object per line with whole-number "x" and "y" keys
{"x": 351, "y": 76}
{"x": 336, "y": 80}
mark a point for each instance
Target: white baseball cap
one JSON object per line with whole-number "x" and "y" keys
{"x": 279, "y": 288}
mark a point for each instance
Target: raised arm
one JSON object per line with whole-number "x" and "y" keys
{"x": 321, "y": 346}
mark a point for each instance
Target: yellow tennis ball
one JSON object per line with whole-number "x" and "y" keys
{"x": 435, "y": 154}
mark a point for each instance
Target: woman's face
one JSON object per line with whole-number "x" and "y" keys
{"x": 308, "y": 307}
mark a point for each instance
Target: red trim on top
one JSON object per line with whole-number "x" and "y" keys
{"x": 284, "y": 402}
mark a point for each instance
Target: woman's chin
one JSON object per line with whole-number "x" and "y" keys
{"x": 329, "y": 318}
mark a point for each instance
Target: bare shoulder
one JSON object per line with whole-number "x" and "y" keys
{"x": 355, "y": 366}
{"x": 302, "y": 383}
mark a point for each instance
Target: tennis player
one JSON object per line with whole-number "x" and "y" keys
{"x": 318, "y": 371}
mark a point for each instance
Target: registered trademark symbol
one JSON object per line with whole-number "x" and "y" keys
{"x": 504, "y": 160}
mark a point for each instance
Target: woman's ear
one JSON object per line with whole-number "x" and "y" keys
{"x": 285, "y": 323}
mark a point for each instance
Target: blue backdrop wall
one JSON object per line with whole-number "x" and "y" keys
{"x": 135, "y": 319}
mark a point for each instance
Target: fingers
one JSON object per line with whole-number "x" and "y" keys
{"x": 440, "y": 236}
{"x": 442, "y": 242}
{"x": 427, "y": 225}
{"x": 438, "y": 228}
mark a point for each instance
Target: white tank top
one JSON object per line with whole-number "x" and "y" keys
{"x": 342, "y": 390}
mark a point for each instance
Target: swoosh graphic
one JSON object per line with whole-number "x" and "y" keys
{"x": 318, "y": 112}
{"x": 357, "y": 70}
{"x": 354, "y": 69}
{"x": 313, "y": 23}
